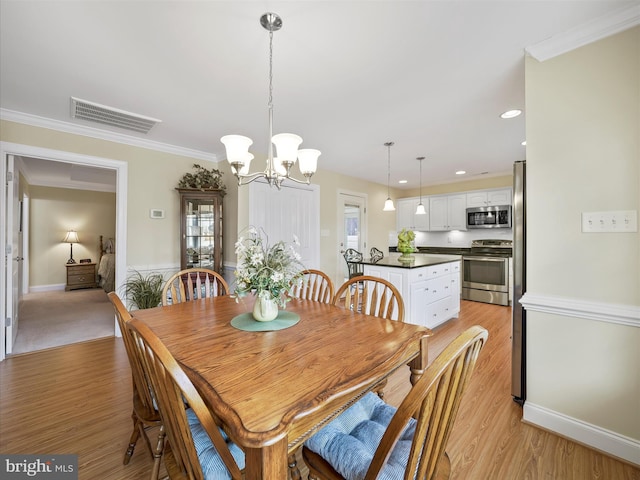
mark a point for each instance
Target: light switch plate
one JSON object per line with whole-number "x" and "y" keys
{"x": 621, "y": 221}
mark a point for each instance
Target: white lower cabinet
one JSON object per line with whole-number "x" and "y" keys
{"x": 431, "y": 294}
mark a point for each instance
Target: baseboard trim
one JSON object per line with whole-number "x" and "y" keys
{"x": 611, "y": 443}
{"x": 628, "y": 315}
{"x": 46, "y": 288}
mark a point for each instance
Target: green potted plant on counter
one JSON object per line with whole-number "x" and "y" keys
{"x": 405, "y": 244}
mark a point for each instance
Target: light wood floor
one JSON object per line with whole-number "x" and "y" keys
{"x": 77, "y": 399}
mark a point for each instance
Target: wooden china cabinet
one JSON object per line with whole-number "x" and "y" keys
{"x": 201, "y": 229}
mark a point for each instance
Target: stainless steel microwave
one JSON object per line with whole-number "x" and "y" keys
{"x": 493, "y": 216}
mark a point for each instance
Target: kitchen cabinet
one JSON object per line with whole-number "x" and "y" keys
{"x": 201, "y": 229}
{"x": 483, "y": 198}
{"x": 447, "y": 212}
{"x": 430, "y": 287}
{"x": 407, "y": 218}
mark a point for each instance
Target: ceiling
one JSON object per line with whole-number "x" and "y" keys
{"x": 431, "y": 76}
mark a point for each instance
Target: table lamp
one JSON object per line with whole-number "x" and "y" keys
{"x": 71, "y": 237}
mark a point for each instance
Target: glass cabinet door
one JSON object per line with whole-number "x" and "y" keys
{"x": 201, "y": 229}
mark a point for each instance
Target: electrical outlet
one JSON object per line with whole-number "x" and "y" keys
{"x": 623, "y": 221}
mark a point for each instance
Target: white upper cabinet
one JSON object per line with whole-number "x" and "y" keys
{"x": 483, "y": 198}
{"x": 448, "y": 212}
{"x": 406, "y": 216}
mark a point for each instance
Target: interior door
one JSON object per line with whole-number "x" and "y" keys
{"x": 12, "y": 255}
{"x": 351, "y": 229}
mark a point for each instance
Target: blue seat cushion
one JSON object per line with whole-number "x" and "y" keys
{"x": 349, "y": 442}
{"x": 212, "y": 465}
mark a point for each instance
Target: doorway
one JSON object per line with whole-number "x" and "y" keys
{"x": 8, "y": 213}
{"x": 351, "y": 229}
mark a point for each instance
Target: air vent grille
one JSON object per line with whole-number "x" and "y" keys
{"x": 95, "y": 112}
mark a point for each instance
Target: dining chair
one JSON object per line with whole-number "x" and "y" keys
{"x": 373, "y": 440}
{"x": 197, "y": 448}
{"x": 145, "y": 414}
{"x": 193, "y": 283}
{"x": 315, "y": 285}
{"x": 373, "y": 296}
{"x": 353, "y": 257}
{"x": 376, "y": 254}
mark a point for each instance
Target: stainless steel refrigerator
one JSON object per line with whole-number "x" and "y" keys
{"x": 518, "y": 315}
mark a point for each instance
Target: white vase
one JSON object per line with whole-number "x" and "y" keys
{"x": 265, "y": 309}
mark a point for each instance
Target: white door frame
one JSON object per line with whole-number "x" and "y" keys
{"x": 341, "y": 194}
{"x": 121, "y": 168}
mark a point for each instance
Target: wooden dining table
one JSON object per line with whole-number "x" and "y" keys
{"x": 273, "y": 389}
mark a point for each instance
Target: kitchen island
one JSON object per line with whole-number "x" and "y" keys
{"x": 429, "y": 285}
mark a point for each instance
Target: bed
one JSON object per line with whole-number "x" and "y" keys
{"x": 107, "y": 265}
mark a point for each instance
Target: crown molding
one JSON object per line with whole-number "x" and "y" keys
{"x": 589, "y": 32}
{"x": 66, "y": 127}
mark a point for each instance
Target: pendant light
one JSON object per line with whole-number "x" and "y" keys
{"x": 388, "y": 204}
{"x": 420, "y": 210}
{"x": 278, "y": 168}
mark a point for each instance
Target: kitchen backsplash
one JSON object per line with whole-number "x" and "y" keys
{"x": 455, "y": 238}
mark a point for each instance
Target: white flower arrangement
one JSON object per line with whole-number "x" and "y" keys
{"x": 269, "y": 271}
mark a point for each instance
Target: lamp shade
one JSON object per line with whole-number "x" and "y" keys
{"x": 287, "y": 146}
{"x": 420, "y": 210}
{"x": 237, "y": 147}
{"x": 388, "y": 206}
{"x": 308, "y": 158}
{"x": 71, "y": 237}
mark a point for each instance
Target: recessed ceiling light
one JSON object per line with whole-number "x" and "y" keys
{"x": 461, "y": 172}
{"x": 402, "y": 181}
{"x": 524, "y": 143}
{"x": 511, "y": 113}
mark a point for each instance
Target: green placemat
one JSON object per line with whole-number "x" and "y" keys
{"x": 246, "y": 322}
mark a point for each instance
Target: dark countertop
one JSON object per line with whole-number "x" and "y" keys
{"x": 440, "y": 250}
{"x": 419, "y": 261}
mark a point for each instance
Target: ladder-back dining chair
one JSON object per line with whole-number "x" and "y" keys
{"x": 145, "y": 415}
{"x": 196, "y": 447}
{"x": 192, "y": 284}
{"x": 372, "y": 439}
{"x": 315, "y": 285}
{"x": 353, "y": 259}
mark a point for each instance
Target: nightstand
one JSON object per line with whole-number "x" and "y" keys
{"x": 81, "y": 275}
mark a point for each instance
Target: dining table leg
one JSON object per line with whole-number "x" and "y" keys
{"x": 419, "y": 364}
{"x": 268, "y": 462}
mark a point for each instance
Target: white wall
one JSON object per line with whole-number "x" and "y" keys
{"x": 583, "y": 289}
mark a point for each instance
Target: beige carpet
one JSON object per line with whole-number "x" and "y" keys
{"x": 51, "y": 319}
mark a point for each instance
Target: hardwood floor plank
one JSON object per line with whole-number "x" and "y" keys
{"x": 77, "y": 399}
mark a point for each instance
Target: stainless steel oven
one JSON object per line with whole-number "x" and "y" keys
{"x": 485, "y": 272}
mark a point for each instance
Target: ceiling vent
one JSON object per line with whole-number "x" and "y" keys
{"x": 94, "y": 112}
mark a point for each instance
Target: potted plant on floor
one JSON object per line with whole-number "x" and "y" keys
{"x": 144, "y": 291}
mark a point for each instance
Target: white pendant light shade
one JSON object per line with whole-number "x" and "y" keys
{"x": 287, "y": 146}
{"x": 237, "y": 147}
{"x": 388, "y": 206}
{"x": 308, "y": 158}
{"x": 420, "y": 210}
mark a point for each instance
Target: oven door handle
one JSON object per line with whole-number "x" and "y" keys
{"x": 486, "y": 259}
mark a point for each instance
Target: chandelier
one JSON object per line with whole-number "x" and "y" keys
{"x": 278, "y": 168}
